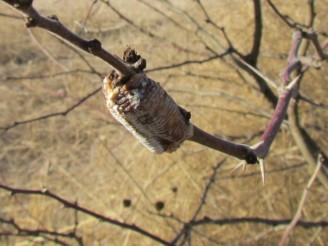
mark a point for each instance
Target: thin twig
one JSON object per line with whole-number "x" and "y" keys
{"x": 285, "y": 18}
{"x": 301, "y": 204}
{"x": 46, "y": 52}
{"x": 88, "y": 14}
{"x": 311, "y": 102}
{"x": 144, "y": 30}
{"x": 38, "y": 232}
{"x": 11, "y": 16}
{"x": 186, "y": 230}
{"x": 43, "y": 76}
{"x": 75, "y": 206}
{"x": 318, "y": 47}
{"x": 307, "y": 147}
{"x": 189, "y": 62}
{"x": 47, "y": 116}
{"x": 52, "y": 24}
{"x": 258, "y": 220}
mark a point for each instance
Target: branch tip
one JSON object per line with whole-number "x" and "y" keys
{"x": 292, "y": 84}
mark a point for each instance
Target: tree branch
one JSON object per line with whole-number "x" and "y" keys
{"x": 52, "y": 24}
{"x": 252, "y": 57}
{"x": 186, "y": 230}
{"x": 47, "y": 116}
{"x": 301, "y": 204}
{"x": 285, "y": 18}
{"x": 306, "y": 145}
{"x": 260, "y": 150}
{"x": 37, "y": 232}
{"x": 75, "y": 206}
{"x": 239, "y": 151}
{"x": 256, "y": 220}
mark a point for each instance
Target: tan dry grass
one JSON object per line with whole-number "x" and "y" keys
{"x": 76, "y": 156}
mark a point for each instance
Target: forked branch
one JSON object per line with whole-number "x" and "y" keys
{"x": 129, "y": 78}
{"x": 261, "y": 149}
{"x": 75, "y": 206}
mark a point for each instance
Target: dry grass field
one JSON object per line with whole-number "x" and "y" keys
{"x": 86, "y": 157}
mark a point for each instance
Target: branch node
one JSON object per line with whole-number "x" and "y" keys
{"x": 251, "y": 157}
{"x": 30, "y": 22}
{"x": 53, "y": 17}
{"x": 22, "y": 4}
{"x": 140, "y": 65}
{"x": 311, "y": 61}
{"x": 94, "y": 46}
{"x": 45, "y": 191}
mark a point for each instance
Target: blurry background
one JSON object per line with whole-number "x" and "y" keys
{"x": 86, "y": 156}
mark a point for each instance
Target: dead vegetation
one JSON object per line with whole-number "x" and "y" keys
{"x": 85, "y": 156}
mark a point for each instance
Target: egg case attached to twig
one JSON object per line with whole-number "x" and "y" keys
{"x": 145, "y": 109}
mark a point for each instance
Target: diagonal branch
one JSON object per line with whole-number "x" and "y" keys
{"x": 298, "y": 213}
{"x": 279, "y": 114}
{"x": 75, "y": 206}
{"x": 186, "y": 230}
{"x": 239, "y": 151}
{"x": 37, "y": 232}
{"x": 189, "y": 62}
{"x": 290, "y": 22}
{"x": 313, "y": 37}
{"x": 260, "y": 151}
{"x": 44, "y": 117}
{"x": 52, "y": 24}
